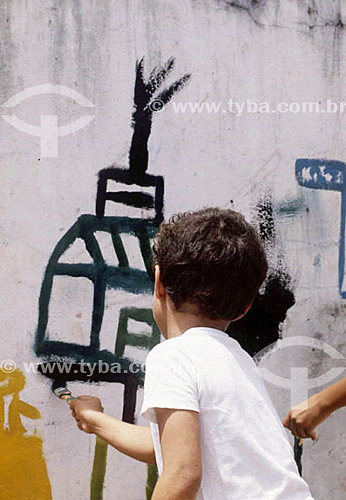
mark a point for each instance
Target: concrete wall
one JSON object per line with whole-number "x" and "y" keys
{"x": 265, "y": 51}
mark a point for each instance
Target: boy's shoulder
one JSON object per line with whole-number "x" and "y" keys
{"x": 166, "y": 347}
{"x": 194, "y": 342}
{"x": 171, "y": 358}
{"x": 181, "y": 350}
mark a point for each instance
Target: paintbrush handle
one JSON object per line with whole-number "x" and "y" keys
{"x": 67, "y": 398}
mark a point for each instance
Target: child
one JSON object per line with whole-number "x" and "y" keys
{"x": 305, "y": 417}
{"x": 215, "y": 434}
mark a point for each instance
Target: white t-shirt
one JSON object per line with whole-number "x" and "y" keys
{"x": 245, "y": 451}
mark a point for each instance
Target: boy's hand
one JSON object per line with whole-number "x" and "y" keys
{"x": 306, "y": 416}
{"x": 84, "y": 409}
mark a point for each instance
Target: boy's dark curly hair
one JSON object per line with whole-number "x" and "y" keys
{"x": 212, "y": 258}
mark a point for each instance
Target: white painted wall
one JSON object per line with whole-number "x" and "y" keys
{"x": 273, "y": 51}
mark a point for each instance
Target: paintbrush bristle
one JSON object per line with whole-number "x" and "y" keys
{"x": 61, "y": 392}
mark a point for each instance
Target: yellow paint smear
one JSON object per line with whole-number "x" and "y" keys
{"x": 23, "y": 472}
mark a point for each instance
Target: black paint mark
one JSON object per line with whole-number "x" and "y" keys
{"x": 261, "y": 326}
{"x": 145, "y": 104}
{"x": 130, "y": 397}
{"x": 266, "y": 220}
{"x": 134, "y": 199}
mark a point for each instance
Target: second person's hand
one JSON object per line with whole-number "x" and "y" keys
{"x": 303, "y": 418}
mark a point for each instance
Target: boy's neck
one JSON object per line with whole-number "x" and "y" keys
{"x": 178, "y": 323}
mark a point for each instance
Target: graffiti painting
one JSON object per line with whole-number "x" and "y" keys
{"x": 124, "y": 276}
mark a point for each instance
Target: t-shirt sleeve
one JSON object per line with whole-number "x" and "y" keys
{"x": 170, "y": 381}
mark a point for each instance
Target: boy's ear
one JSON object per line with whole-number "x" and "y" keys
{"x": 159, "y": 289}
{"x": 247, "y": 309}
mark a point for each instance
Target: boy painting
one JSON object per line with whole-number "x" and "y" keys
{"x": 214, "y": 432}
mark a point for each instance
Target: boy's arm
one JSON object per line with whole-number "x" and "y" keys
{"x": 305, "y": 417}
{"x": 132, "y": 440}
{"x": 181, "y": 454}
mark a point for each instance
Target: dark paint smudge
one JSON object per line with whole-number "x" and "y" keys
{"x": 265, "y": 216}
{"x": 145, "y": 103}
{"x": 261, "y": 326}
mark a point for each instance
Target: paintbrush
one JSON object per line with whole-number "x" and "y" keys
{"x": 101, "y": 446}
{"x": 62, "y": 392}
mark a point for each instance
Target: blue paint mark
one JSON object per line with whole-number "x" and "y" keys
{"x": 317, "y": 260}
{"x": 329, "y": 175}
